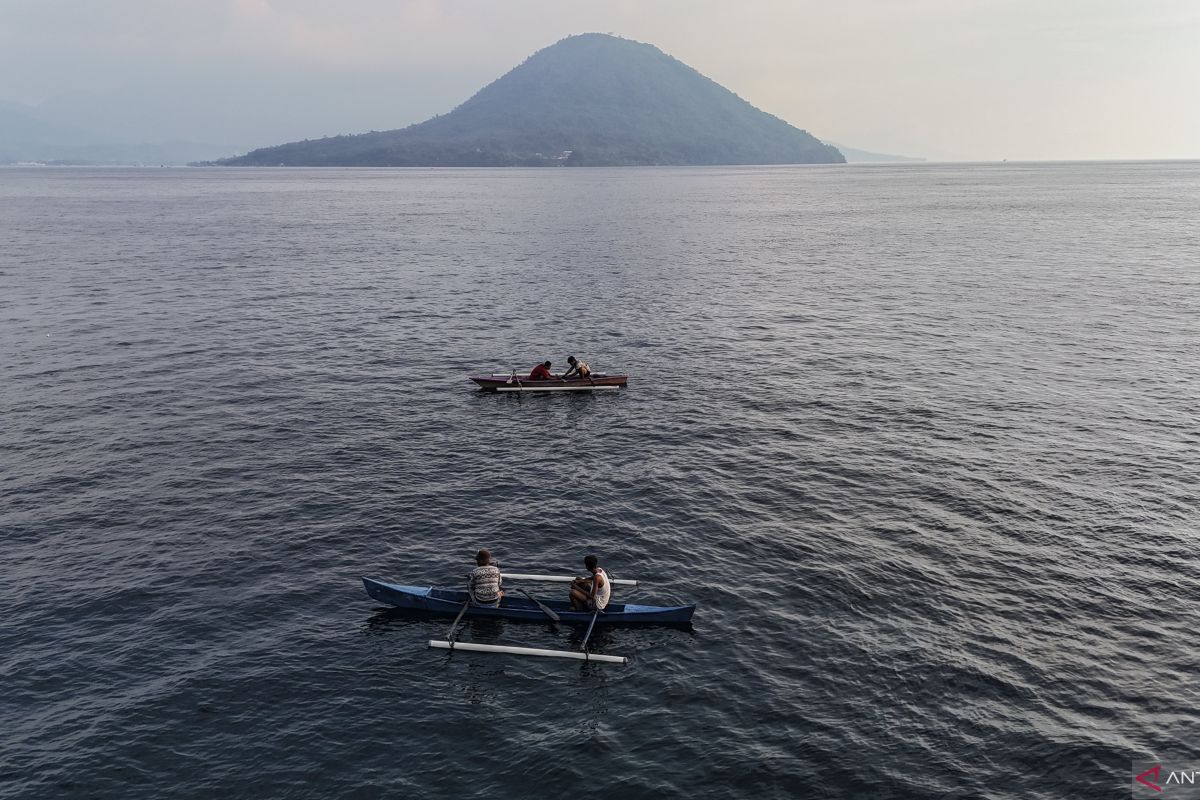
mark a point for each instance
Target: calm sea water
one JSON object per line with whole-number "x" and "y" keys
{"x": 921, "y": 441}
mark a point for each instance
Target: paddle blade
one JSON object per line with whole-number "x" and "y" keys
{"x": 549, "y": 612}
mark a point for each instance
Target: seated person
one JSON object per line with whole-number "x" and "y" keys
{"x": 541, "y": 373}
{"x": 483, "y": 585}
{"x": 579, "y": 369}
{"x": 592, "y": 593}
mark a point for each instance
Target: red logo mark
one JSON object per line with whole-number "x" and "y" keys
{"x": 1142, "y": 778}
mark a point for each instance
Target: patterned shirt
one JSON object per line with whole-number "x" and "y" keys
{"x": 484, "y": 584}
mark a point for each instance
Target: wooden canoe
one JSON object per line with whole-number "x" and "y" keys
{"x": 514, "y": 606}
{"x": 517, "y": 383}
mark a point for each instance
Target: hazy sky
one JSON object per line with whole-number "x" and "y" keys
{"x": 946, "y": 79}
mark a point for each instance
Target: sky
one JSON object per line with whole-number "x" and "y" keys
{"x": 941, "y": 79}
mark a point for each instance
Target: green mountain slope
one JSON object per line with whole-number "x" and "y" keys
{"x": 608, "y": 101}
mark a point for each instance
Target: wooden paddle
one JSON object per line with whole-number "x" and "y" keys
{"x": 546, "y": 609}
{"x": 588, "y": 635}
{"x": 453, "y": 625}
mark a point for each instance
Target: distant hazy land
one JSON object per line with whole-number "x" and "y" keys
{"x": 28, "y": 134}
{"x": 856, "y": 156}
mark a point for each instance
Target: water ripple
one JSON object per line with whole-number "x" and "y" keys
{"x": 920, "y": 441}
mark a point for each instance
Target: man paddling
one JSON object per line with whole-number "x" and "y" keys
{"x": 591, "y": 594}
{"x": 541, "y": 373}
{"x": 579, "y": 369}
{"x": 483, "y": 584}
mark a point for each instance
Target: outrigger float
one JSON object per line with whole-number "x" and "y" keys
{"x": 527, "y": 608}
{"x": 512, "y": 382}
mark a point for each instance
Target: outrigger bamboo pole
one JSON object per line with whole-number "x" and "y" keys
{"x": 527, "y": 651}
{"x": 556, "y": 388}
{"x": 562, "y": 579}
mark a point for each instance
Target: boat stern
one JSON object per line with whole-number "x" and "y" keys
{"x": 395, "y": 594}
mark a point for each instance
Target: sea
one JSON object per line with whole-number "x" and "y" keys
{"x": 921, "y": 442}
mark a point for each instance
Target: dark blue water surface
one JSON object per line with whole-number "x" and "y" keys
{"x": 922, "y": 442}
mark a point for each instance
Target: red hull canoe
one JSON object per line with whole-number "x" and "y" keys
{"x": 517, "y": 383}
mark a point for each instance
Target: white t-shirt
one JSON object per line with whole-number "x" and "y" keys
{"x": 604, "y": 592}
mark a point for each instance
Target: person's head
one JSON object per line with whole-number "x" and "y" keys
{"x": 546, "y": 365}
{"x": 570, "y": 359}
{"x": 483, "y": 558}
{"x": 590, "y": 562}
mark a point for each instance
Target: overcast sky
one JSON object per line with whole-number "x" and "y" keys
{"x": 945, "y": 79}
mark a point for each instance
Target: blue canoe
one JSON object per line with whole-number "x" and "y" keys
{"x": 514, "y": 606}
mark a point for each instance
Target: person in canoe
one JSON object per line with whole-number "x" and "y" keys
{"x": 483, "y": 584}
{"x": 541, "y": 373}
{"x": 579, "y": 369}
{"x": 591, "y": 593}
